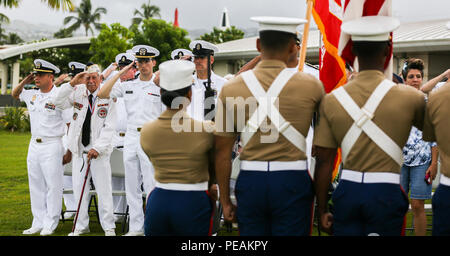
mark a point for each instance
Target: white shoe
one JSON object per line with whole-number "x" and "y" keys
{"x": 31, "y": 231}
{"x": 110, "y": 232}
{"x": 134, "y": 233}
{"x": 79, "y": 232}
{"x": 47, "y": 232}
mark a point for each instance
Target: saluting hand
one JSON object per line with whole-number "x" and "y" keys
{"x": 28, "y": 79}
{"x": 156, "y": 80}
{"x": 60, "y": 79}
{"x": 128, "y": 67}
{"x": 79, "y": 78}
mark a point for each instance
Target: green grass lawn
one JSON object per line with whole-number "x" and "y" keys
{"x": 15, "y": 214}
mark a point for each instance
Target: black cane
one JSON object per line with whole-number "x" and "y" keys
{"x": 81, "y": 196}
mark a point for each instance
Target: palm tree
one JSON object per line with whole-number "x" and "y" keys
{"x": 3, "y": 18}
{"x": 13, "y": 38}
{"x": 85, "y": 17}
{"x": 54, "y": 4}
{"x": 149, "y": 11}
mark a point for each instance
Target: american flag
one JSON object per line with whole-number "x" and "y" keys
{"x": 358, "y": 8}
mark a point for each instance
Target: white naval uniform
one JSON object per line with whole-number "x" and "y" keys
{"x": 196, "y": 108}
{"x": 103, "y": 122}
{"x": 143, "y": 104}
{"x": 44, "y": 159}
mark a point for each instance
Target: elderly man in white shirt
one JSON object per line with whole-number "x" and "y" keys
{"x": 89, "y": 140}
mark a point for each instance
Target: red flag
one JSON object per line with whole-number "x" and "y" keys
{"x": 327, "y": 14}
{"x": 358, "y": 8}
{"x": 175, "y": 23}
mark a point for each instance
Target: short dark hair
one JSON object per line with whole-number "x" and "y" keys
{"x": 167, "y": 97}
{"x": 369, "y": 48}
{"x": 275, "y": 40}
{"x": 413, "y": 63}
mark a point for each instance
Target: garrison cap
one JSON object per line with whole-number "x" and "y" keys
{"x": 370, "y": 28}
{"x": 202, "y": 48}
{"x": 144, "y": 52}
{"x": 94, "y": 68}
{"x": 176, "y": 74}
{"x": 281, "y": 24}
{"x": 42, "y": 66}
{"x": 178, "y": 53}
{"x": 123, "y": 59}
{"x": 76, "y": 67}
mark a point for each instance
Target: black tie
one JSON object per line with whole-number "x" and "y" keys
{"x": 86, "y": 133}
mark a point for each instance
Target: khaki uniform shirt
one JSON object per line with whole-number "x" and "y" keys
{"x": 298, "y": 100}
{"x": 178, "y": 157}
{"x": 402, "y": 107}
{"x": 437, "y": 124}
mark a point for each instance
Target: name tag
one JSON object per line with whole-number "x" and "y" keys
{"x": 128, "y": 92}
{"x": 153, "y": 94}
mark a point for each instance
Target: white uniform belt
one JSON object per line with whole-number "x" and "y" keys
{"x": 270, "y": 166}
{"x": 183, "y": 187}
{"x": 41, "y": 139}
{"x": 444, "y": 180}
{"x": 370, "y": 177}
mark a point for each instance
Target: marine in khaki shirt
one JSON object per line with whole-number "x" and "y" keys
{"x": 273, "y": 164}
{"x": 369, "y": 199}
{"x": 437, "y": 123}
{"x": 180, "y": 149}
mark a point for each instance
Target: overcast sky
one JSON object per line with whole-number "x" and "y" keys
{"x": 195, "y": 14}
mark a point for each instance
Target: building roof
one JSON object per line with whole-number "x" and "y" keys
{"x": 410, "y": 37}
{"x": 12, "y": 51}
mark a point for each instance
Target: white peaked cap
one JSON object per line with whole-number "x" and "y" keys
{"x": 370, "y": 28}
{"x": 41, "y": 65}
{"x": 176, "y": 52}
{"x": 203, "y": 45}
{"x": 77, "y": 65}
{"x": 176, "y": 74}
{"x": 283, "y": 24}
{"x": 128, "y": 56}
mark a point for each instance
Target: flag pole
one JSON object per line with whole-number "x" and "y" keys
{"x": 309, "y": 7}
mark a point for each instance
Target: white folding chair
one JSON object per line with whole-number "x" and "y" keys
{"x": 118, "y": 170}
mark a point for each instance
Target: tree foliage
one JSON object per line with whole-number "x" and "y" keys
{"x": 147, "y": 11}
{"x": 85, "y": 18}
{"x": 161, "y": 35}
{"x": 54, "y": 4}
{"x": 218, "y": 36}
{"x": 110, "y": 42}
